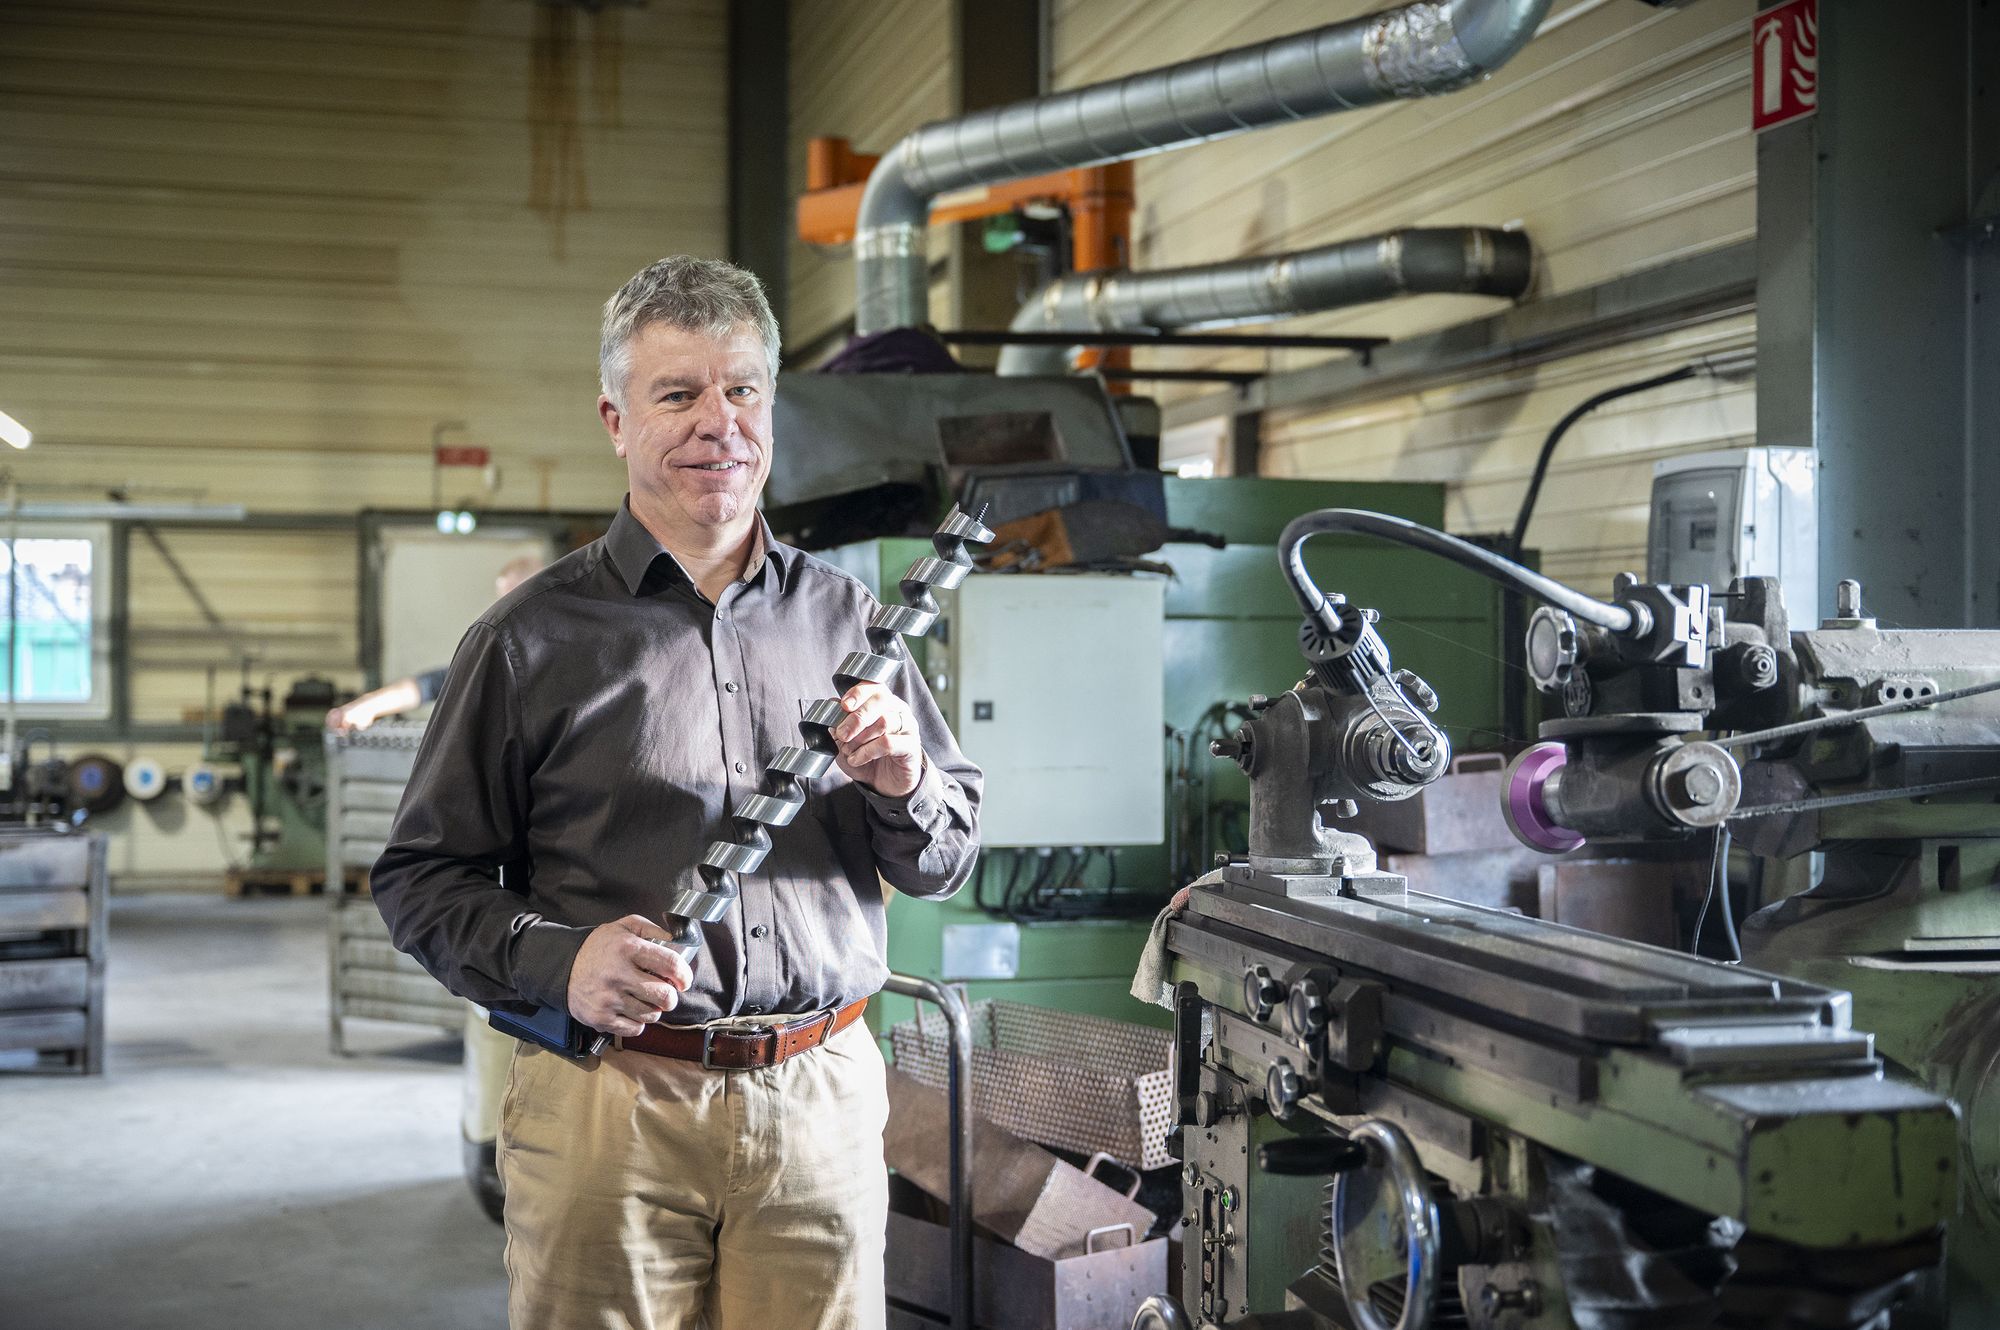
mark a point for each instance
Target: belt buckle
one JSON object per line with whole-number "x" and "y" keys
{"x": 826, "y": 1027}
{"x": 707, "y": 1048}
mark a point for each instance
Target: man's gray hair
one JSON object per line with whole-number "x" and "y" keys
{"x": 691, "y": 294}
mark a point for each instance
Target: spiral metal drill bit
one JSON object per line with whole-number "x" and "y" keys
{"x": 783, "y": 792}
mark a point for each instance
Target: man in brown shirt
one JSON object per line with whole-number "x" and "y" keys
{"x": 596, "y": 728}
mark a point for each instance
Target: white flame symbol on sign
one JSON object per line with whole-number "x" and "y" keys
{"x": 1804, "y": 72}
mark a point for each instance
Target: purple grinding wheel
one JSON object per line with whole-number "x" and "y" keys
{"x": 1523, "y": 804}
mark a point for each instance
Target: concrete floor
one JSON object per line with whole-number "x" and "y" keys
{"x": 227, "y": 1172}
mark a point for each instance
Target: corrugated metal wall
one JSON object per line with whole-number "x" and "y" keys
{"x": 252, "y": 254}
{"x": 1619, "y": 139}
{"x": 869, "y": 71}
{"x": 257, "y": 252}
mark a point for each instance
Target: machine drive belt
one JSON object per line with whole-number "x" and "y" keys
{"x": 1865, "y": 797}
{"x": 1853, "y": 717}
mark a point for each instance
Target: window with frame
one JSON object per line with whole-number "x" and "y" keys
{"x": 55, "y": 584}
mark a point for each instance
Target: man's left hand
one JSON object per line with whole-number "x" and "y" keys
{"x": 877, "y": 743}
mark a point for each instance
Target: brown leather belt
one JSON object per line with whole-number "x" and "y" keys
{"x": 740, "y": 1050}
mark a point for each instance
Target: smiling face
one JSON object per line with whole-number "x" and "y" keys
{"x": 694, "y": 429}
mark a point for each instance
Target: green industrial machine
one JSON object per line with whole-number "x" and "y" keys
{"x": 277, "y": 744}
{"x": 1398, "y": 1111}
{"x": 1230, "y": 632}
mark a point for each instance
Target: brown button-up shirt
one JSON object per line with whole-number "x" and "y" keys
{"x": 596, "y": 727}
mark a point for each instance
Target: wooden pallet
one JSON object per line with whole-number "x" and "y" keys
{"x": 279, "y": 881}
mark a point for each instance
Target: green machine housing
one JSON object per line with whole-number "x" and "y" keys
{"x": 1231, "y": 631}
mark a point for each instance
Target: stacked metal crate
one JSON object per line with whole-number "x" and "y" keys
{"x": 365, "y": 775}
{"x": 52, "y": 947}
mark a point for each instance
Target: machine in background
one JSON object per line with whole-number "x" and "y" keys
{"x": 272, "y": 748}
{"x": 1402, "y": 1111}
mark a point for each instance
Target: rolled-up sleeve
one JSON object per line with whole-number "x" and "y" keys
{"x": 927, "y": 841}
{"x": 463, "y": 817}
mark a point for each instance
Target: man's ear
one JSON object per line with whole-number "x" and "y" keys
{"x": 607, "y": 411}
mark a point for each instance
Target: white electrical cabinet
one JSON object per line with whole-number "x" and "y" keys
{"x": 1053, "y": 686}
{"x": 1739, "y": 512}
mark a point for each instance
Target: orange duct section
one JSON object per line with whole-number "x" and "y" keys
{"x": 1099, "y": 200}
{"x": 832, "y": 162}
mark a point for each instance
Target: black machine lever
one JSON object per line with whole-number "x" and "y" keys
{"x": 1310, "y": 1156}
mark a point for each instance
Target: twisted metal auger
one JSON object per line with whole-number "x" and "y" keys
{"x": 783, "y": 792}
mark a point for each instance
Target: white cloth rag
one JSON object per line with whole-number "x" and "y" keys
{"x": 1149, "y": 982}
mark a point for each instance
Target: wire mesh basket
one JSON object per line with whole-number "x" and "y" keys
{"x": 1079, "y": 1083}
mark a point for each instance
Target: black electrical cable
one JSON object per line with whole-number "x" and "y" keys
{"x": 1495, "y": 567}
{"x": 1517, "y": 541}
{"x": 1017, "y": 908}
{"x": 1718, "y": 895}
{"x": 1727, "y": 906}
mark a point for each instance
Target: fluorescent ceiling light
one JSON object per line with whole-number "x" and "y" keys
{"x": 14, "y": 432}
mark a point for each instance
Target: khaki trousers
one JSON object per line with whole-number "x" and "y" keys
{"x": 645, "y": 1193}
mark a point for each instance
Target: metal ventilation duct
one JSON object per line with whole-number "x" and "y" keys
{"x": 1473, "y": 260}
{"x": 1410, "y": 51}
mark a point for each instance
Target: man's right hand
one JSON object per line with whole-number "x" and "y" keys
{"x": 625, "y": 977}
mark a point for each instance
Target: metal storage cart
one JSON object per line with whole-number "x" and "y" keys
{"x": 52, "y": 946}
{"x": 365, "y": 775}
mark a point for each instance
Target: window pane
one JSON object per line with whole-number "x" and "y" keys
{"x": 52, "y": 620}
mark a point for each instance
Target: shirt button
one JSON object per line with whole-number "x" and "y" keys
{"x": 753, "y": 1011}
{"x": 739, "y": 768}
{"x": 729, "y": 688}
{"x": 759, "y": 931}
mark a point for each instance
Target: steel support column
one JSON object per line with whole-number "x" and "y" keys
{"x": 760, "y": 204}
{"x": 996, "y": 58}
{"x": 1869, "y": 311}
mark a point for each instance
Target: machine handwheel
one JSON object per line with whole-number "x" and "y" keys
{"x": 1161, "y": 1312}
{"x": 1385, "y": 1233}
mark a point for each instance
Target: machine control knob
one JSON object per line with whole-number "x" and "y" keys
{"x": 1282, "y": 1089}
{"x": 1759, "y": 666}
{"x": 1236, "y": 748}
{"x": 1305, "y": 1010}
{"x": 1554, "y": 647}
{"x": 1261, "y": 992}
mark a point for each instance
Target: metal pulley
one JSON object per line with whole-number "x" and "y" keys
{"x": 96, "y": 783}
{"x": 145, "y": 779}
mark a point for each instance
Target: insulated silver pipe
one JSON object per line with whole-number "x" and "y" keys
{"x": 1475, "y": 260}
{"x": 1414, "y": 50}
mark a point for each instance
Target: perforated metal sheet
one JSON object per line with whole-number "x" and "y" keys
{"x": 1078, "y": 1083}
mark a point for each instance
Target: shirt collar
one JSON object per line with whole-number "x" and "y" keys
{"x": 634, "y": 552}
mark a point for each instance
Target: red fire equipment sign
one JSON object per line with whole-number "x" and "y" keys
{"x": 1784, "y": 64}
